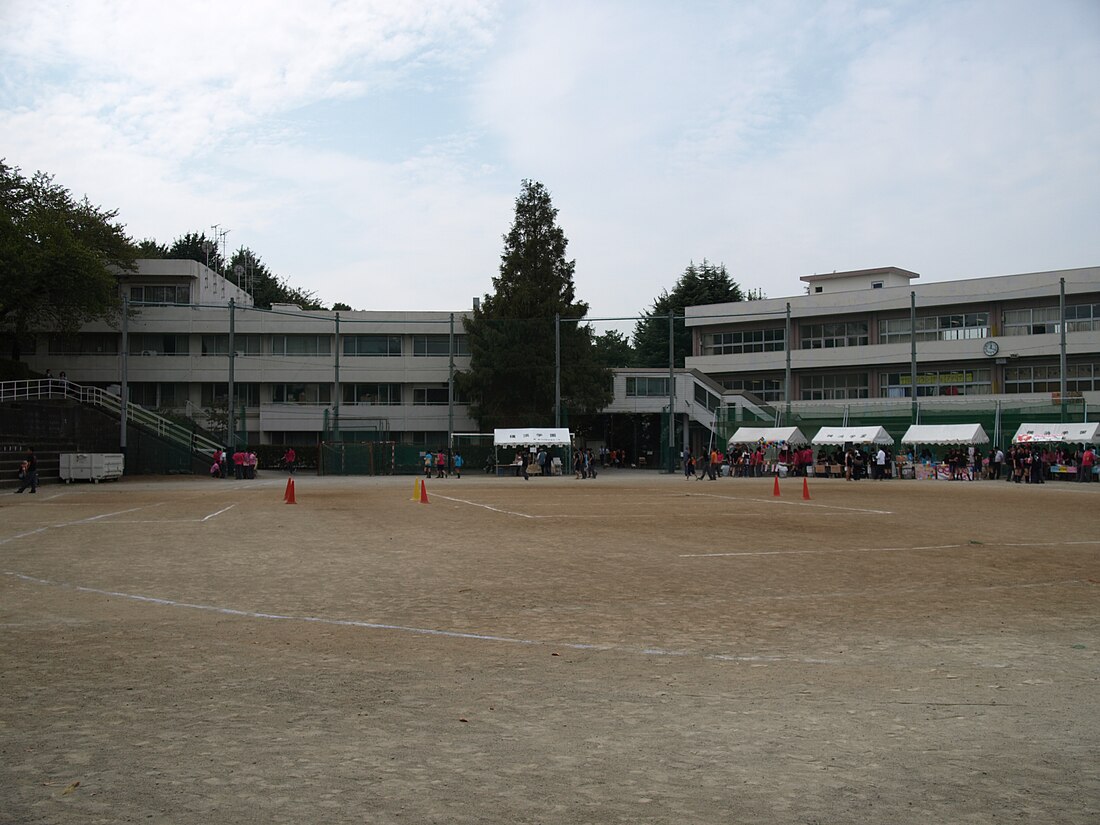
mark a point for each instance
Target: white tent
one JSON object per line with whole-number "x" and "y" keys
{"x": 853, "y": 435}
{"x": 945, "y": 434}
{"x": 1056, "y": 433}
{"x": 532, "y": 437}
{"x": 769, "y": 436}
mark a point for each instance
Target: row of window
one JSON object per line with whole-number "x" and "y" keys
{"x": 173, "y": 395}
{"x": 946, "y": 382}
{"x": 144, "y": 343}
{"x": 951, "y": 327}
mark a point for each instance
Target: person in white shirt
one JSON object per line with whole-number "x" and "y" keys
{"x": 880, "y": 464}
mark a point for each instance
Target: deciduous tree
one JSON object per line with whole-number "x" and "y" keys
{"x": 59, "y": 257}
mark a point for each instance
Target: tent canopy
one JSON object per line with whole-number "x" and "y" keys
{"x": 1056, "y": 433}
{"x": 854, "y": 435}
{"x": 768, "y": 436}
{"x": 549, "y": 436}
{"x": 945, "y": 434}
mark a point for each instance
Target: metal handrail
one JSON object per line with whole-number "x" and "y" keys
{"x": 165, "y": 428}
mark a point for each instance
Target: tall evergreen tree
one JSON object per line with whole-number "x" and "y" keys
{"x": 512, "y": 333}
{"x": 704, "y": 284}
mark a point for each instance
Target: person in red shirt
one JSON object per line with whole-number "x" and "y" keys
{"x": 1088, "y": 461}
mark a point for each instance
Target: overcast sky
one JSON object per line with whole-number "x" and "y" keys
{"x": 371, "y": 152}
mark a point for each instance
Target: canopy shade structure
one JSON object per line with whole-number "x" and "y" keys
{"x": 853, "y": 435}
{"x": 1056, "y": 433}
{"x": 945, "y": 434}
{"x": 550, "y": 437}
{"x": 768, "y": 436}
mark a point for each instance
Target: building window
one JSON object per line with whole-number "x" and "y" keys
{"x": 959, "y": 327}
{"x": 826, "y": 387}
{"x": 876, "y": 284}
{"x": 706, "y": 398}
{"x": 89, "y": 343}
{"x": 1083, "y": 318}
{"x": 766, "y": 389}
{"x": 439, "y": 345}
{"x": 372, "y": 345}
{"x": 936, "y": 382}
{"x": 430, "y": 396}
{"x": 216, "y": 394}
{"x": 160, "y": 295}
{"x": 148, "y": 343}
{"x": 301, "y": 393}
{"x": 1082, "y": 377}
{"x": 301, "y": 345}
{"x": 735, "y": 343}
{"x": 424, "y": 438}
{"x": 1035, "y": 321}
{"x": 158, "y": 396}
{"x": 1045, "y": 378}
{"x": 383, "y": 394}
{"x": 645, "y": 387}
{"x": 827, "y": 336}
{"x": 243, "y": 344}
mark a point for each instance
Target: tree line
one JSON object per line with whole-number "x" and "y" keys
{"x": 61, "y": 259}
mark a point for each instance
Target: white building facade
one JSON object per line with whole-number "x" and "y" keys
{"x": 851, "y": 337}
{"x": 296, "y": 374}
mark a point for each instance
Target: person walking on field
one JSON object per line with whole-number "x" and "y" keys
{"x": 28, "y": 472}
{"x": 1088, "y": 461}
{"x": 458, "y": 462}
{"x": 289, "y": 458}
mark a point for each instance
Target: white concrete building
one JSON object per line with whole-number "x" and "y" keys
{"x": 372, "y": 374}
{"x": 850, "y": 337}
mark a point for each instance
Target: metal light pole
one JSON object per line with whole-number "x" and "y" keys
{"x": 913, "y": 352}
{"x": 557, "y": 370}
{"x": 336, "y": 399}
{"x": 125, "y": 369}
{"x": 451, "y": 385}
{"x": 1062, "y": 356}
{"x": 787, "y": 370}
{"x": 231, "y": 418}
{"x": 671, "y": 395}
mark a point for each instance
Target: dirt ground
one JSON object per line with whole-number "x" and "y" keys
{"x": 638, "y": 648}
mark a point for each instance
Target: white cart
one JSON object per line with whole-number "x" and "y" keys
{"x": 94, "y": 467}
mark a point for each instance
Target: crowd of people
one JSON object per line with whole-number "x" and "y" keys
{"x": 242, "y": 462}
{"x": 757, "y": 460}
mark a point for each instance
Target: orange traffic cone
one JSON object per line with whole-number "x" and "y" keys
{"x": 775, "y": 492}
{"x": 290, "y": 491}
{"x": 286, "y": 492}
{"x": 416, "y": 489}
{"x": 424, "y": 492}
{"x": 805, "y": 488}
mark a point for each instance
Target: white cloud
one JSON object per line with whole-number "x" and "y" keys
{"x": 955, "y": 139}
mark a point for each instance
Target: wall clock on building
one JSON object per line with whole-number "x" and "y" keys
{"x": 991, "y": 348}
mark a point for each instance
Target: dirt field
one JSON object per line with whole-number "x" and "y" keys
{"x": 634, "y": 649}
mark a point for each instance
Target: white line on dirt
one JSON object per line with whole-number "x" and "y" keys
{"x": 223, "y": 510}
{"x": 486, "y": 506}
{"x": 801, "y": 503}
{"x": 884, "y": 549}
{"x": 88, "y": 520}
{"x": 420, "y": 631}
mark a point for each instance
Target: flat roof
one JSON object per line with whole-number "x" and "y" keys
{"x": 881, "y": 270}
